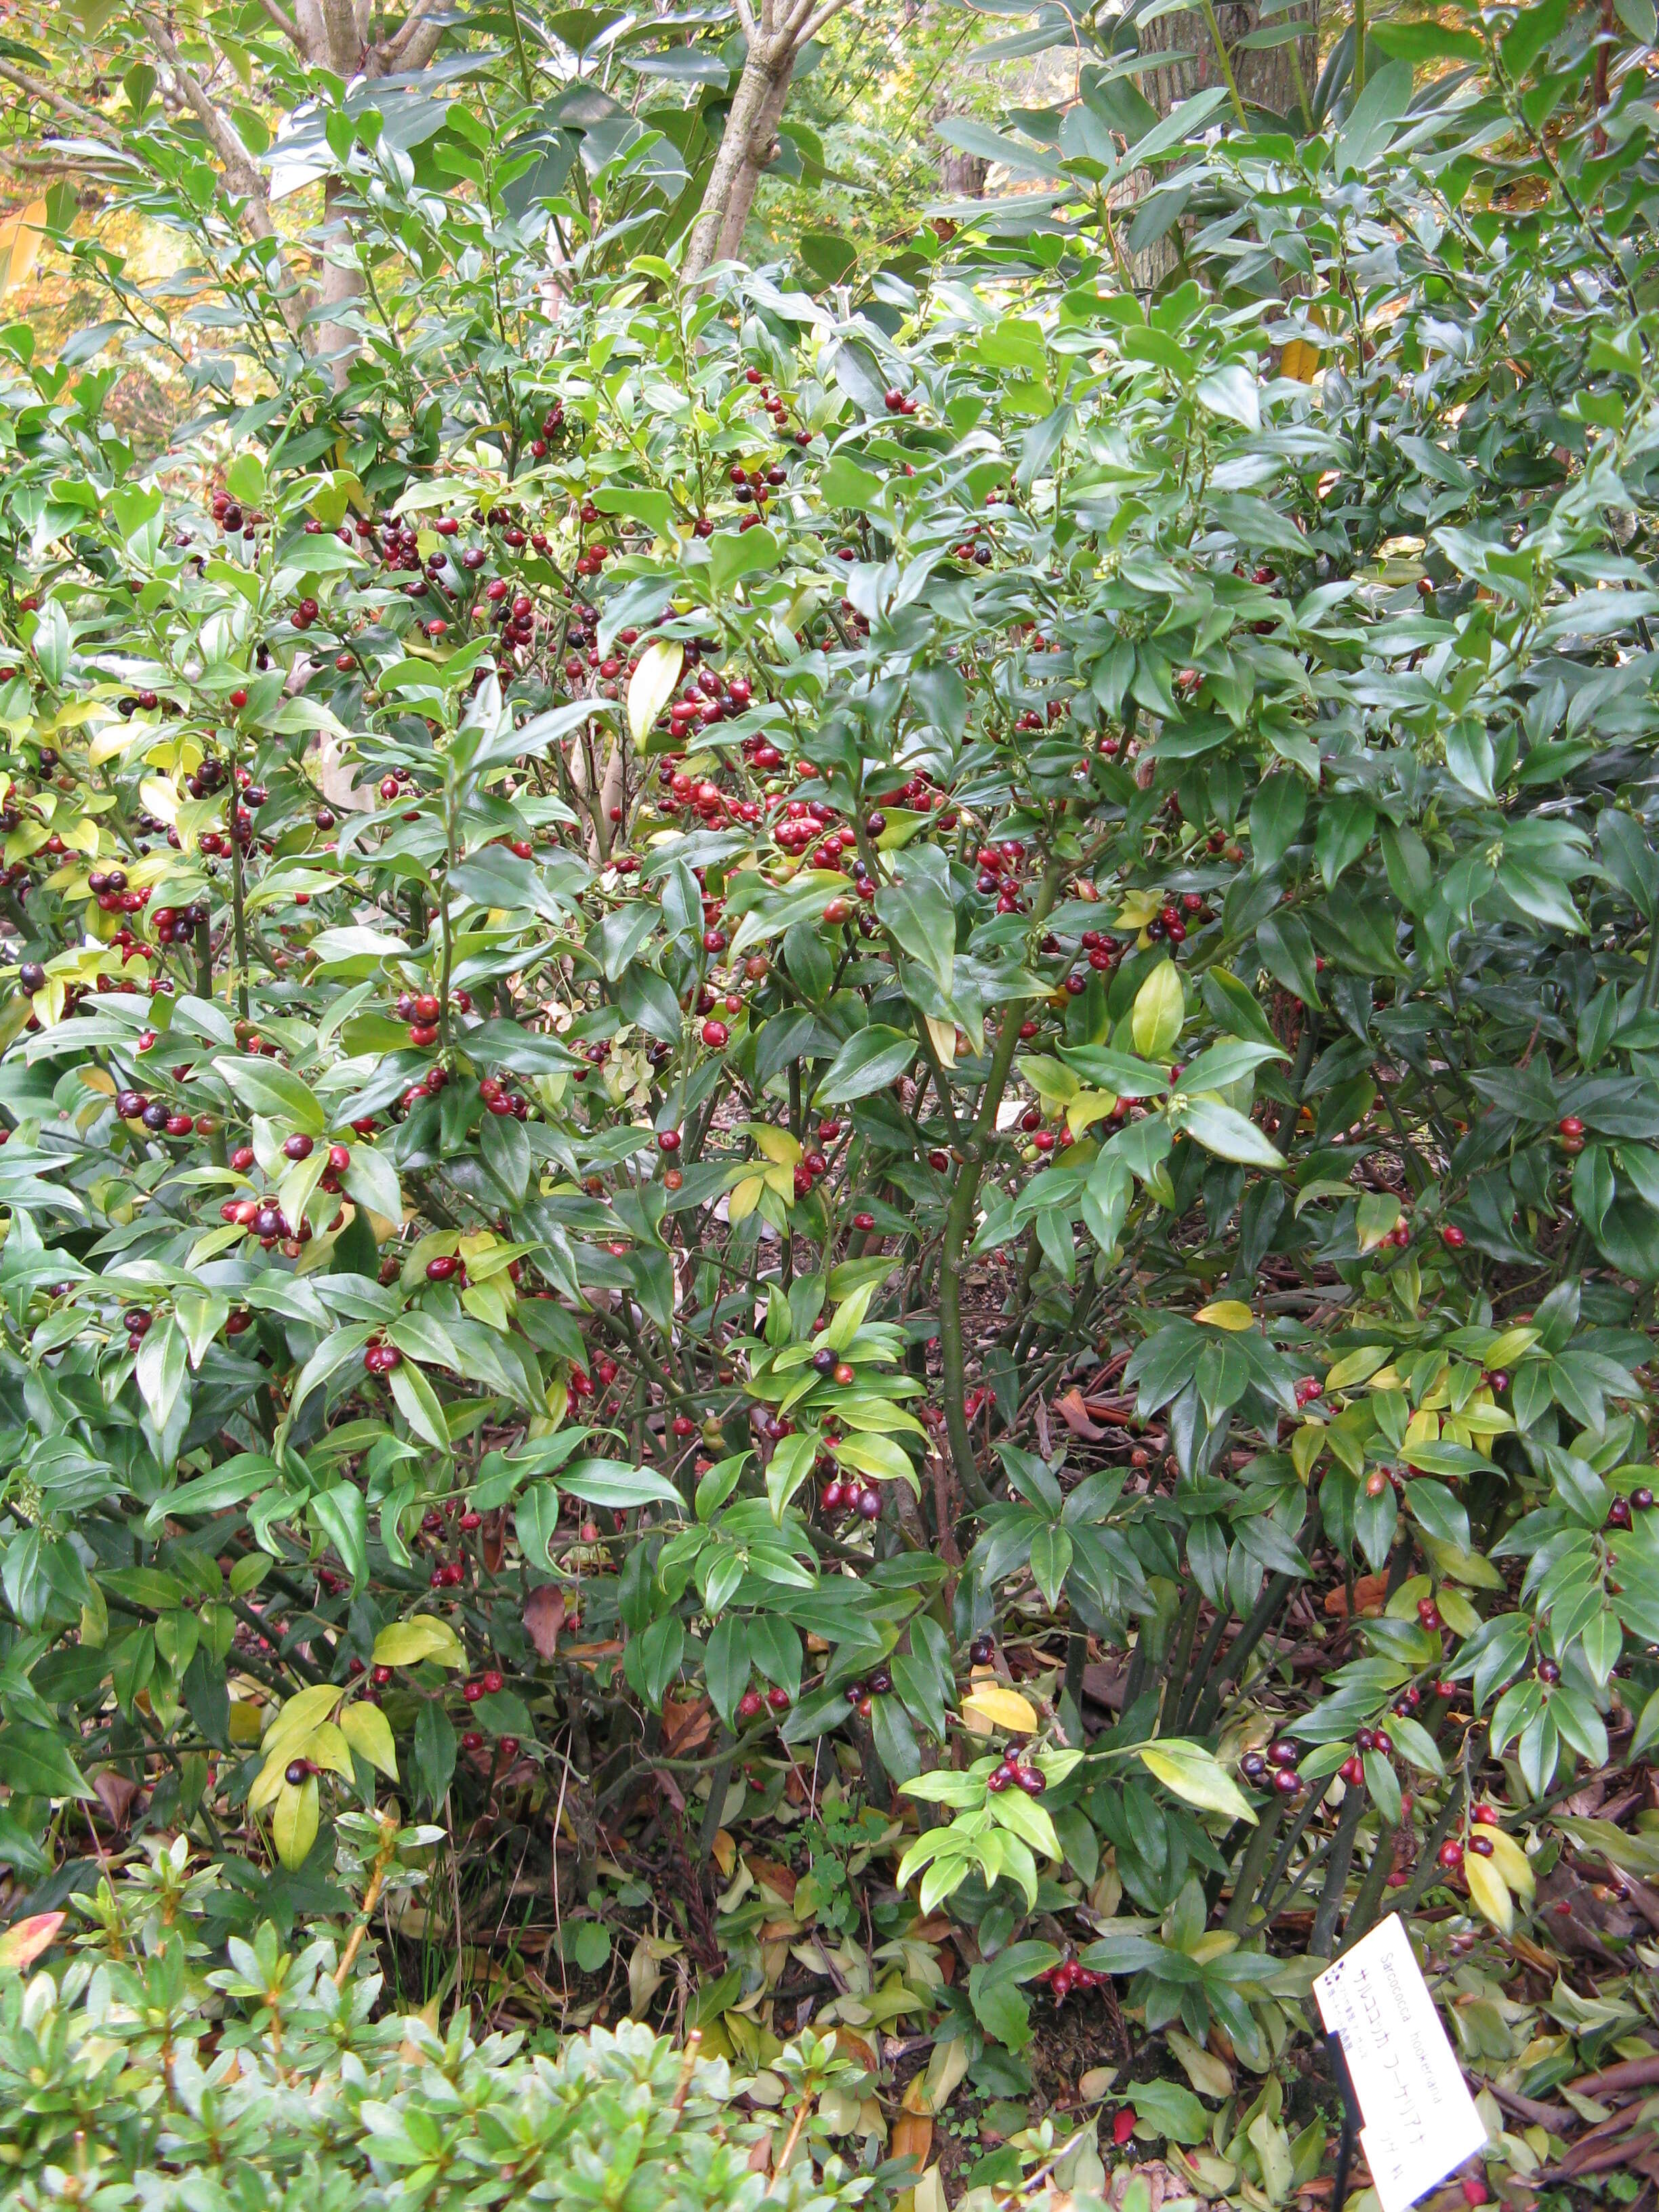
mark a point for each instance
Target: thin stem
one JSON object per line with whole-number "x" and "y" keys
{"x": 1336, "y": 1874}
{"x": 959, "y": 1219}
{"x": 1226, "y": 67}
{"x": 1252, "y": 1866}
{"x": 239, "y": 915}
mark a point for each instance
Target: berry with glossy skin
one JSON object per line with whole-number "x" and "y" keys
{"x": 1286, "y": 1781}
{"x": 750, "y": 1705}
{"x": 1452, "y": 1237}
{"x": 1283, "y": 1752}
{"x": 1450, "y": 1854}
{"x": 779, "y": 1700}
{"x": 982, "y": 1650}
{"x": 715, "y": 1035}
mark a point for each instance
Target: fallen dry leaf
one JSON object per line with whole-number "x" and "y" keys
{"x": 1075, "y": 1414}
{"x": 779, "y": 1880}
{"x": 115, "y": 1793}
{"x": 544, "y": 1617}
{"x": 493, "y": 1540}
{"x": 1370, "y": 1594}
{"x": 913, "y": 2138}
{"x": 687, "y": 1723}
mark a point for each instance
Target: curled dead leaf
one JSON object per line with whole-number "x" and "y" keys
{"x": 544, "y": 1617}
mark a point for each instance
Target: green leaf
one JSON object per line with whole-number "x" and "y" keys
{"x": 274, "y": 1090}
{"x": 613, "y": 1482}
{"x": 870, "y": 1060}
{"x": 1195, "y": 1775}
{"x": 1229, "y": 1134}
{"x": 36, "y": 1763}
{"x": 1171, "y": 2111}
{"x": 733, "y": 554}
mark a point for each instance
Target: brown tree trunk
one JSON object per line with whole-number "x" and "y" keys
{"x": 775, "y": 40}
{"x": 961, "y": 175}
{"x": 1266, "y": 76}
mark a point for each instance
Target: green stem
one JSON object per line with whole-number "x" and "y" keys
{"x": 448, "y": 940}
{"x": 1359, "y": 47}
{"x": 1336, "y": 1874}
{"x": 959, "y": 1220}
{"x": 1300, "y": 83}
{"x": 1198, "y": 1674}
{"x": 1252, "y": 1866}
{"x": 1266, "y": 1611}
{"x": 239, "y": 916}
{"x": 1314, "y": 1799}
{"x": 1371, "y": 1889}
{"x": 1231, "y": 81}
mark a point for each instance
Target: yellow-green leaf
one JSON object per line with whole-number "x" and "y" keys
{"x": 1357, "y": 1366}
{"x": 303, "y": 1712}
{"x": 650, "y": 687}
{"x": 1196, "y": 1775}
{"x": 294, "y": 1827}
{"x": 406, "y": 1643}
{"x": 1489, "y": 1892}
{"x": 327, "y": 1746}
{"x": 1227, "y": 1313}
{"x": 1512, "y": 1863}
{"x": 1001, "y": 1707}
{"x": 1160, "y": 1008}
{"x": 744, "y": 1197}
{"x": 368, "y": 1732}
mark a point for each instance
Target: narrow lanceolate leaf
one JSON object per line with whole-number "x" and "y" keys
{"x": 651, "y": 686}
{"x": 1197, "y": 1776}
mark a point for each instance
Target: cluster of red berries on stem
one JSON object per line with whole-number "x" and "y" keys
{"x": 753, "y": 1703}
{"x": 1277, "y": 1770}
{"x": 1070, "y": 1975}
{"x": 1013, "y": 1772}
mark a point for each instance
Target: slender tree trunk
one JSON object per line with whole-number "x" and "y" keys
{"x": 745, "y": 148}
{"x": 342, "y": 283}
{"x": 775, "y": 39}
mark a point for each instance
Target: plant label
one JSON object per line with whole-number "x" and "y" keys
{"x": 1420, "y": 2119}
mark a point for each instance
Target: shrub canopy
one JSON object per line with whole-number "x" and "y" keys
{"x": 895, "y": 1037}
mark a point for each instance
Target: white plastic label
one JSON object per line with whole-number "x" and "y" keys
{"x": 1421, "y": 2122}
